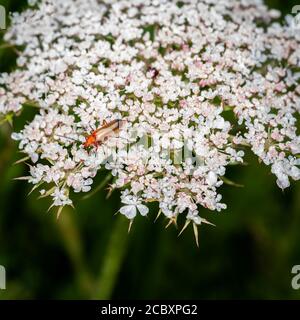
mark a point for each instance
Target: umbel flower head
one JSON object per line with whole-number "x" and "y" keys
{"x": 169, "y": 71}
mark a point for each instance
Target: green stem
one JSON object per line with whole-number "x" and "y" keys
{"x": 10, "y": 46}
{"x": 113, "y": 259}
{"x": 103, "y": 183}
{"x": 6, "y": 45}
{"x": 71, "y": 239}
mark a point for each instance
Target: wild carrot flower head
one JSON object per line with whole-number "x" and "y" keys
{"x": 171, "y": 70}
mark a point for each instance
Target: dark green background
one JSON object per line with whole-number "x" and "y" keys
{"x": 88, "y": 254}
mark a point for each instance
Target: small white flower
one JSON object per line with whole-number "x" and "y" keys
{"x": 212, "y": 178}
{"x": 132, "y": 206}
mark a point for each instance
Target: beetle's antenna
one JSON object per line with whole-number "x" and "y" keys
{"x": 58, "y": 135}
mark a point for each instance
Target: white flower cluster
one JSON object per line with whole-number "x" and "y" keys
{"x": 171, "y": 70}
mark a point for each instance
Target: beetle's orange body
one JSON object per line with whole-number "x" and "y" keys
{"x": 91, "y": 140}
{"x": 101, "y": 134}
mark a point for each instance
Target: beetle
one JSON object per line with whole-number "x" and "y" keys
{"x": 100, "y": 135}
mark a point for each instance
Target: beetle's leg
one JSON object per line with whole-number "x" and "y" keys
{"x": 97, "y": 144}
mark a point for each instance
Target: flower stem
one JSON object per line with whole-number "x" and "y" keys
{"x": 9, "y": 46}
{"x": 113, "y": 259}
{"x": 71, "y": 239}
{"x": 6, "y": 45}
{"x": 103, "y": 183}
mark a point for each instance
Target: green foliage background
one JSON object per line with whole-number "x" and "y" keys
{"x": 87, "y": 253}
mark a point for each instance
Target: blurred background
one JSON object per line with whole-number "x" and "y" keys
{"x": 88, "y": 253}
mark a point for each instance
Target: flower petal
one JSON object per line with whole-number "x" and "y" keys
{"x": 129, "y": 211}
{"x": 143, "y": 209}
